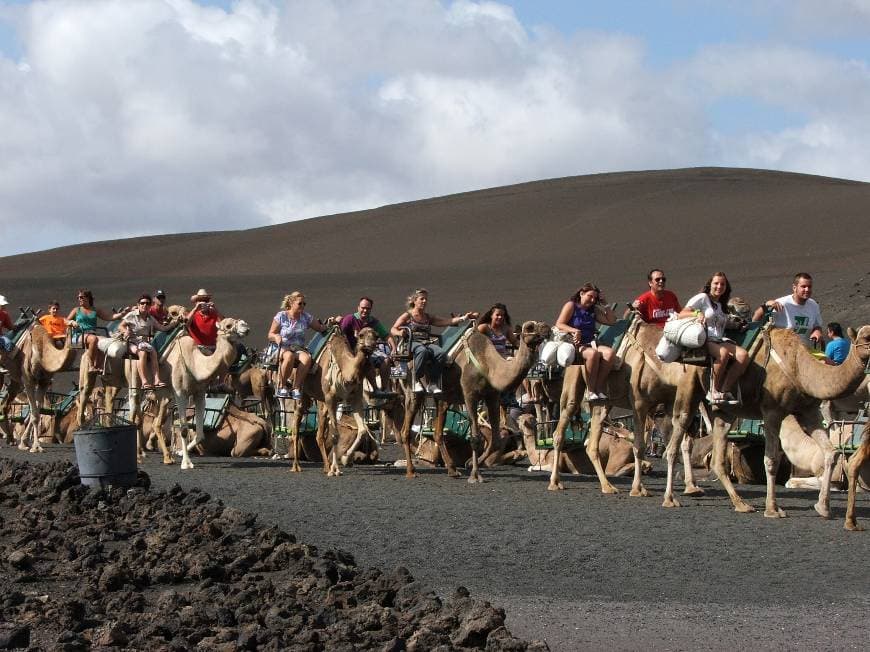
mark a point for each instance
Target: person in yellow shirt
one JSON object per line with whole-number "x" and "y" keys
{"x": 54, "y": 324}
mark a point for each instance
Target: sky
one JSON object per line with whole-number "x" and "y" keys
{"x": 121, "y": 118}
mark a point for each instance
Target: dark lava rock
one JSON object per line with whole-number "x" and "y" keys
{"x": 178, "y": 570}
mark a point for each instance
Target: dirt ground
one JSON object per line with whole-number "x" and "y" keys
{"x": 577, "y": 568}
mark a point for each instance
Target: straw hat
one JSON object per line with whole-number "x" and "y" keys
{"x": 201, "y": 295}
{"x": 3, "y": 301}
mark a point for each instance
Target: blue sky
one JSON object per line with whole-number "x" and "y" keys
{"x": 184, "y": 115}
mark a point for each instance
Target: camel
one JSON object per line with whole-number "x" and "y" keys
{"x": 857, "y": 469}
{"x": 784, "y": 378}
{"x": 241, "y": 434}
{"x": 614, "y": 449}
{"x": 485, "y": 375}
{"x": 192, "y": 371}
{"x": 641, "y": 383}
{"x": 35, "y": 362}
{"x": 341, "y": 381}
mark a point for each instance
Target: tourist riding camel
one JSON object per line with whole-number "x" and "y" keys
{"x": 797, "y": 311}
{"x": 429, "y": 358}
{"x": 578, "y": 318}
{"x": 785, "y": 378}
{"x": 838, "y": 346}
{"x": 202, "y": 321}
{"x": 85, "y": 316}
{"x": 140, "y": 325}
{"x": 192, "y": 371}
{"x": 288, "y": 330}
{"x": 729, "y": 360}
{"x": 5, "y": 326}
{"x": 55, "y": 325}
{"x": 379, "y": 360}
{"x": 158, "y": 308}
{"x": 656, "y": 305}
{"x": 495, "y": 323}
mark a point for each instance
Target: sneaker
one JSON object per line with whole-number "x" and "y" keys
{"x": 418, "y": 387}
{"x": 715, "y": 398}
{"x": 296, "y": 395}
{"x": 433, "y": 389}
{"x": 602, "y": 396}
{"x": 591, "y": 396}
{"x": 282, "y": 393}
{"x": 729, "y": 398}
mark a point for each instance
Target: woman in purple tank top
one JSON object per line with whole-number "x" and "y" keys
{"x": 496, "y": 325}
{"x": 578, "y": 317}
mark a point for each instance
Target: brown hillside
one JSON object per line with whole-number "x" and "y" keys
{"x": 528, "y": 245}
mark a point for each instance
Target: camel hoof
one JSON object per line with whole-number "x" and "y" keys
{"x": 822, "y": 511}
{"x": 693, "y": 491}
{"x": 22, "y": 446}
{"x": 853, "y": 526}
{"x": 168, "y": 460}
{"x": 671, "y": 502}
{"x": 295, "y": 469}
{"x": 184, "y": 466}
{"x": 411, "y": 475}
{"x": 642, "y": 493}
{"x": 475, "y": 479}
{"x": 774, "y": 513}
{"x": 744, "y": 508}
{"x": 609, "y": 489}
{"x": 455, "y": 473}
{"x": 555, "y": 486}
{"x": 344, "y": 460}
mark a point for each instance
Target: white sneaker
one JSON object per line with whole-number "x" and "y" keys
{"x": 418, "y": 387}
{"x": 433, "y": 389}
{"x": 591, "y": 396}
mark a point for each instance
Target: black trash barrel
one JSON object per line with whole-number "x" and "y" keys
{"x": 106, "y": 451}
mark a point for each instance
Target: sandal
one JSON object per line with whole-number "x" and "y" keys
{"x": 147, "y": 386}
{"x": 160, "y": 384}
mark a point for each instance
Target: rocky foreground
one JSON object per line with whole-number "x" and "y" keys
{"x": 177, "y": 570}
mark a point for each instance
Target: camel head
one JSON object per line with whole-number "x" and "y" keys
{"x": 366, "y": 340}
{"x": 861, "y": 342}
{"x": 233, "y": 328}
{"x": 739, "y": 313}
{"x": 534, "y": 332}
{"x": 177, "y": 312}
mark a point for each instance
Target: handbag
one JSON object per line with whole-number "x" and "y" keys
{"x": 686, "y": 332}
{"x": 268, "y": 357}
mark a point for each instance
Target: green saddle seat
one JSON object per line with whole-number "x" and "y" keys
{"x": 612, "y": 335}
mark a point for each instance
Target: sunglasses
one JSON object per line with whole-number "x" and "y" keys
{"x": 144, "y": 303}
{"x": 660, "y": 279}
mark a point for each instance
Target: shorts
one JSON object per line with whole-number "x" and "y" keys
{"x": 295, "y": 348}
{"x": 377, "y": 358}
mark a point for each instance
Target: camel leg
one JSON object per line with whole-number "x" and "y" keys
{"x": 812, "y": 423}
{"x": 638, "y": 445}
{"x": 772, "y": 424}
{"x": 721, "y": 426}
{"x": 35, "y": 398}
{"x": 474, "y": 476}
{"x": 593, "y": 449}
{"x": 493, "y": 410}
{"x": 853, "y": 470}
{"x": 134, "y": 400}
{"x": 362, "y": 430}
{"x": 412, "y": 405}
{"x": 163, "y": 410}
{"x": 181, "y": 403}
{"x": 330, "y": 463}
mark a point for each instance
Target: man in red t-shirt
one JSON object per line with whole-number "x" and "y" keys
{"x": 203, "y": 320}
{"x": 656, "y": 305}
{"x": 158, "y": 308}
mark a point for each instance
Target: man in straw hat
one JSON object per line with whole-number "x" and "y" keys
{"x": 203, "y": 320}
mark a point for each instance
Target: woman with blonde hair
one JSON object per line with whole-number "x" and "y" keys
{"x": 429, "y": 358}
{"x": 288, "y": 331}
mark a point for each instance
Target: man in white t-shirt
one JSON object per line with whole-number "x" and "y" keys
{"x": 797, "y": 311}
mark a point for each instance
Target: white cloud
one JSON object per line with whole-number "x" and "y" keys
{"x": 134, "y": 116}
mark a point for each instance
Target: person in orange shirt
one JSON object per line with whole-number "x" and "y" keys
{"x": 54, "y": 324}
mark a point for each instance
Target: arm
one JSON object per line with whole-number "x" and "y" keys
{"x": 105, "y": 315}
{"x": 452, "y": 321}
{"x": 483, "y": 328}
{"x": 396, "y": 330}
{"x": 513, "y": 339}
{"x": 564, "y": 316}
{"x": 274, "y": 332}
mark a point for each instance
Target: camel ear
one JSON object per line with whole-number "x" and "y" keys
{"x": 852, "y": 333}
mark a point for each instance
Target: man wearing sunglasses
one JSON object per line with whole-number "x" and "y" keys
{"x": 657, "y": 304}
{"x": 351, "y": 325}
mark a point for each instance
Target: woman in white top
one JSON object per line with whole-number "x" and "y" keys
{"x": 709, "y": 309}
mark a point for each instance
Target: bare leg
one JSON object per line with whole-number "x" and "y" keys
{"x": 302, "y": 370}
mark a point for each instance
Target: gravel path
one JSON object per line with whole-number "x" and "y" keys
{"x": 577, "y": 568}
